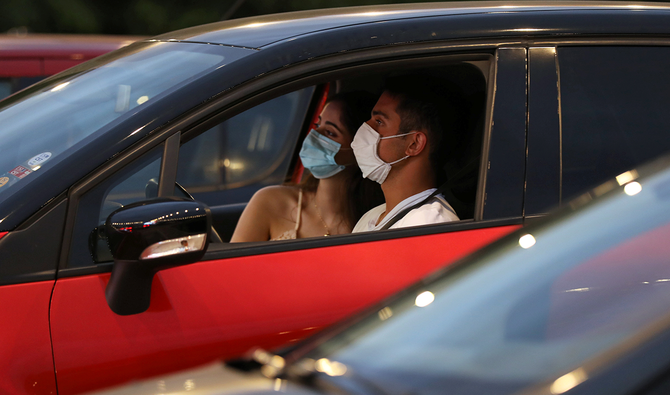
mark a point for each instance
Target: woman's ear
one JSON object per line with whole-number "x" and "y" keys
{"x": 419, "y": 142}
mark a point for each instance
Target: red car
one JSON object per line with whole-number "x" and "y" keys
{"x": 561, "y": 98}
{"x": 26, "y": 59}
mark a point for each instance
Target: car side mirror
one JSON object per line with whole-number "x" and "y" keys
{"x": 149, "y": 236}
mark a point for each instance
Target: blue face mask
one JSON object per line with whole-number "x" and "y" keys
{"x": 318, "y": 155}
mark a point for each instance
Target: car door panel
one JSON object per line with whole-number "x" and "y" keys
{"x": 270, "y": 294}
{"x": 220, "y": 308}
{"x": 28, "y": 261}
{"x": 26, "y": 358}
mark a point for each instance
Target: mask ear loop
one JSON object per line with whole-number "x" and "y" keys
{"x": 396, "y": 161}
{"x": 348, "y": 164}
{"x": 397, "y": 135}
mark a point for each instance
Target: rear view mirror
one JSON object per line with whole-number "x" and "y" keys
{"x": 149, "y": 236}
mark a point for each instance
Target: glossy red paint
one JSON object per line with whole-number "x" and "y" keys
{"x": 219, "y": 309}
{"x": 2, "y": 234}
{"x": 25, "y": 350}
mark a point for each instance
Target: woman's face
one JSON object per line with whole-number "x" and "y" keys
{"x": 331, "y": 126}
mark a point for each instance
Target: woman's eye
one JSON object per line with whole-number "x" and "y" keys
{"x": 317, "y": 125}
{"x": 330, "y": 134}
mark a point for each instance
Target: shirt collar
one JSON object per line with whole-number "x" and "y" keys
{"x": 410, "y": 201}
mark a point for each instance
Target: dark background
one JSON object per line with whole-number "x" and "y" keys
{"x": 144, "y": 17}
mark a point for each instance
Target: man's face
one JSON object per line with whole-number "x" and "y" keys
{"x": 386, "y": 121}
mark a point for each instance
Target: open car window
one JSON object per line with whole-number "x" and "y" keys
{"x": 224, "y": 160}
{"x": 226, "y": 163}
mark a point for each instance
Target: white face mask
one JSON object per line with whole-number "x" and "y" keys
{"x": 366, "y": 146}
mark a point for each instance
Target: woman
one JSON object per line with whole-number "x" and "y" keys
{"x": 332, "y": 199}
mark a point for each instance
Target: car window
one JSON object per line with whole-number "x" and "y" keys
{"x": 135, "y": 182}
{"x": 613, "y": 105}
{"x": 58, "y": 116}
{"x": 230, "y": 161}
{"x": 225, "y": 164}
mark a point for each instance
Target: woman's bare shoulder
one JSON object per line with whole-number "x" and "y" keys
{"x": 277, "y": 196}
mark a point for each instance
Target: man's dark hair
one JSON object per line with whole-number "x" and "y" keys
{"x": 356, "y": 108}
{"x": 436, "y": 107}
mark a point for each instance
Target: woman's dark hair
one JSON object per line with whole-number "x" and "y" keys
{"x": 362, "y": 194}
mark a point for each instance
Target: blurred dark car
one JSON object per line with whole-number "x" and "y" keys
{"x": 28, "y": 58}
{"x": 577, "y": 304}
{"x": 559, "y": 97}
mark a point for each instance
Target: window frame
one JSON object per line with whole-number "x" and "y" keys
{"x": 284, "y": 81}
{"x": 541, "y": 93}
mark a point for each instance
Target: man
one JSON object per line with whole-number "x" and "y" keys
{"x": 402, "y": 147}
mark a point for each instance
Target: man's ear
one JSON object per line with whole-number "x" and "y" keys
{"x": 419, "y": 143}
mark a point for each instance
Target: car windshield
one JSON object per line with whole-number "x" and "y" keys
{"x": 526, "y": 313}
{"x": 60, "y": 115}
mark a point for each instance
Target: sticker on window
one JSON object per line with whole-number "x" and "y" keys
{"x": 38, "y": 160}
{"x": 20, "y": 172}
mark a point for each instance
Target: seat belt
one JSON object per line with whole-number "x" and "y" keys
{"x": 404, "y": 212}
{"x": 441, "y": 190}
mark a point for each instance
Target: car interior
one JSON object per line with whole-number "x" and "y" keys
{"x": 226, "y": 159}
{"x": 460, "y": 173}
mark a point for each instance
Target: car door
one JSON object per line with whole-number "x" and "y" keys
{"x": 268, "y": 294}
{"x": 596, "y": 110}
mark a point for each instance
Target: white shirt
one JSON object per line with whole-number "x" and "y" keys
{"x": 437, "y": 211}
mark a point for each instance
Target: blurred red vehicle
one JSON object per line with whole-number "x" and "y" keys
{"x": 28, "y": 58}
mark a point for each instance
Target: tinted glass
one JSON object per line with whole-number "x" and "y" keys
{"x": 527, "y": 312}
{"x": 614, "y": 103}
{"x": 54, "y": 118}
{"x": 251, "y": 149}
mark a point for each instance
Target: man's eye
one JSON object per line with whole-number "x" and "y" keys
{"x": 379, "y": 121}
{"x": 330, "y": 134}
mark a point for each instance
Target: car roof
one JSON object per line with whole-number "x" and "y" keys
{"x": 257, "y": 32}
{"x": 71, "y": 46}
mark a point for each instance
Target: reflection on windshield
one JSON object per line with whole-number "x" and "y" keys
{"x": 522, "y": 315}
{"x": 55, "y": 117}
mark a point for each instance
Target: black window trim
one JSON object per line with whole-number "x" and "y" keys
{"x": 581, "y": 42}
{"x": 544, "y": 125}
